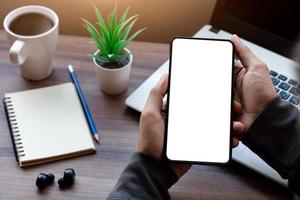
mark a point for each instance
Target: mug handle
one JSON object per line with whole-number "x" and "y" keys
{"x": 18, "y": 52}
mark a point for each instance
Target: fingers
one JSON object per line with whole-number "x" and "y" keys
{"x": 155, "y": 99}
{"x": 238, "y": 132}
{"x": 164, "y": 106}
{"x": 245, "y": 55}
{"x": 235, "y": 142}
{"x": 238, "y": 127}
{"x": 180, "y": 169}
{"x": 238, "y": 72}
{"x": 237, "y": 107}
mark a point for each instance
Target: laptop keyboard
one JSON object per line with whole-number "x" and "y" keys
{"x": 288, "y": 89}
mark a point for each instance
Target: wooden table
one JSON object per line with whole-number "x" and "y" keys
{"x": 97, "y": 173}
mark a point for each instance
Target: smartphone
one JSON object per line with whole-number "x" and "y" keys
{"x": 200, "y": 101}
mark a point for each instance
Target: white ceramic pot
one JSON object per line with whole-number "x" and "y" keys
{"x": 114, "y": 81}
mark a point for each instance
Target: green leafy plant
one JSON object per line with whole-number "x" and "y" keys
{"x": 113, "y": 36}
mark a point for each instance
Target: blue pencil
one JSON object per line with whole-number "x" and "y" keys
{"x": 84, "y": 104}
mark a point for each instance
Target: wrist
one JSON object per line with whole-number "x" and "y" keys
{"x": 272, "y": 132}
{"x": 249, "y": 117}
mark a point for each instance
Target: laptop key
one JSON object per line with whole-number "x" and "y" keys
{"x": 277, "y": 90}
{"x": 294, "y": 100}
{"x": 284, "y": 86}
{"x": 272, "y": 73}
{"x": 295, "y": 91}
{"x": 275, "y": 81}
{"x": 284, "y": 95}
{"x": 292, "y": 82}
{"x": 282, "y": 77}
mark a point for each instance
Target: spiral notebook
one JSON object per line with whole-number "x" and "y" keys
{"x": 47, "y": 124}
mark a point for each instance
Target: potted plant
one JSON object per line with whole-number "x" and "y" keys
{"x": 112, "y": 59}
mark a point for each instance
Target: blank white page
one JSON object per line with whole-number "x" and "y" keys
{"x": 51, "y": 124}
{"x": 199, "y": 121}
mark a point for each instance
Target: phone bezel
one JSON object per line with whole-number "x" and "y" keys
{"x": 165, "y": 157}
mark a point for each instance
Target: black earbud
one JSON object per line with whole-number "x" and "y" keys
{"x": 44, "y": 180}
{"x": 68, "y": 179}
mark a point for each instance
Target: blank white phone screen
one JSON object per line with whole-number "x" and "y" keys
{"x": 199, "y": 121}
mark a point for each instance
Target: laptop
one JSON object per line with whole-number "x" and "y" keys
{"x": 270, "y": 29}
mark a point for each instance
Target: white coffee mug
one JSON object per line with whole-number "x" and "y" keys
{"x": 33, "y": 53}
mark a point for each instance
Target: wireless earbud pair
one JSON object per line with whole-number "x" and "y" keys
{"x": 67, "y": 180}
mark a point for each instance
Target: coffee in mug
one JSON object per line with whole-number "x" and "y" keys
{"x": 31, "y": 24}
{"x": 33, "y": 33}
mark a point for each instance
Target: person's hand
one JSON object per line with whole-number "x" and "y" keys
{"x": 252, "y": 84}
{"x": 152, "y": 127}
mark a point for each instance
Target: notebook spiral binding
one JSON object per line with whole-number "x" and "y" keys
{"x": 14, "y": 128}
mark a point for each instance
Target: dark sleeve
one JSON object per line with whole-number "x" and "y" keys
{"x": 144, "y": 178}
{"x": 275, "y": 137}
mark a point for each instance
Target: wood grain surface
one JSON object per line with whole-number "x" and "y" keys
{"x": 96, "y": 174}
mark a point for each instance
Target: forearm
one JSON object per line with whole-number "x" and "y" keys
{"x": 275, "y": 137}
{"x": 144, "y": 178}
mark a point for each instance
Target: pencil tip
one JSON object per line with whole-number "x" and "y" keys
{"x": 96, "y": 137}
{"x": 70, "y": 67}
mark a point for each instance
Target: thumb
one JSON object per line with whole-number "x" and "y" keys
{"x": 244, "y": 54}
{"x": 155, "y": 99}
